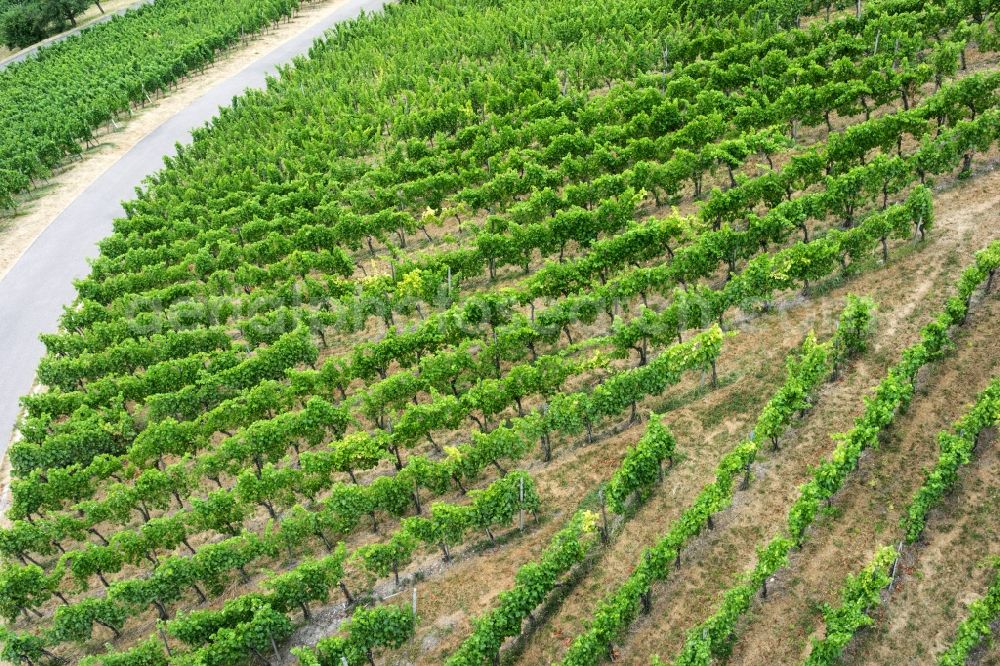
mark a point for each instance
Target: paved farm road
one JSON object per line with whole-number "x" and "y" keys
{"x": 34, "y": 291}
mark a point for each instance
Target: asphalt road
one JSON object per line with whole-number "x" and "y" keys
{"x": 35, "y": 290}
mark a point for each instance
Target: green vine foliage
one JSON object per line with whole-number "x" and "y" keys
{"x": 859, "y": 595}
{"x": 642, "y": 466}
{"x": 855, "y": 329}
{"x": 368, "y": 630}
{"x": 532, "y": 584}
{"x": 957, "y": 449}
{"x": 713, "y": 637}
{"x": 976, "y": 627}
